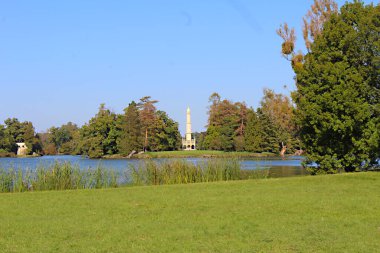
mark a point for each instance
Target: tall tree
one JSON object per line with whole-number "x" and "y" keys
{"x": 338, "y": 97}
{"x": 6, "y": 141}
{"x": 166, "y": 136}
{"x": 280, "y": 112}
{"x": 147, "y": 112}
{"x": 253, "y": 136}
{"x": 131, "y": 136}
{"x": 226, "y": 124}
{"x": 98, "y": 137}
{"x": 64, "y": 138}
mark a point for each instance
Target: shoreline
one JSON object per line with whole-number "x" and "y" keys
{"x": 192, "y": 154}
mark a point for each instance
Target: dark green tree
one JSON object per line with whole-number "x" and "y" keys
{"x": 6, "y": 141}
{"x": 131, "y": 137}
{"x": 269, "y": 131}
{"x": 199, "y": 137}
{"x": 17, "y": 131}
{"x": 98, "y": 137}
{"x": 166, "y": 136}
{"x": 64, "y": 138}
{"x": 338, "y": 93}
{"x": 253, "y": 136}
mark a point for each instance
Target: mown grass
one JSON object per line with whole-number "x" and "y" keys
{"x": 202, "y": 153}
{"x": 334, "y": 213}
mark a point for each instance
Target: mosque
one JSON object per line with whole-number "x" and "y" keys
{"x": 188, "y": 143}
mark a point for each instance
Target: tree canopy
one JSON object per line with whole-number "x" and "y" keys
{"x": 337, "y": 94}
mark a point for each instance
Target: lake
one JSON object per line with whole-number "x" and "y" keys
{"x": 277, "y": 167}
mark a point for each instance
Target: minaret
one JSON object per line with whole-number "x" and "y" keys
{"x": 188, "y": 124}
{"x": 188, "y": 143}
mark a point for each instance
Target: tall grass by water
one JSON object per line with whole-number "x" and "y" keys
{"x": 58, "y": 176}
{"x": 183, "y": 172}
{"x": 65, "y": 176}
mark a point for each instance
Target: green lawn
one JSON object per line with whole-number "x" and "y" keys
{"x": 337, "y": 213}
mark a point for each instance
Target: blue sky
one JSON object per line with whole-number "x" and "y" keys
{"x": 60, "y": 59}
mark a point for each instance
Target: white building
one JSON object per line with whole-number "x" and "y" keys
{"x": 22, "y": 148}
{"x": 188, "y": 143}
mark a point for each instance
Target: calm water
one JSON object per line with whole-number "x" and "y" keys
{"x": 277, "y": 167}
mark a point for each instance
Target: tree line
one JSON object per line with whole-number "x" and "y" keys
{"x": 231, "y": 127}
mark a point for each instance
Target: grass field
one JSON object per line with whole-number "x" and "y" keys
{"x": 335, "y": 213}
{"x": 202, "y": 153}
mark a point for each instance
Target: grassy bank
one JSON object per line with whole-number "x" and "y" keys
{"x": 335, "y": 213}
{"x": 202, "y": 153}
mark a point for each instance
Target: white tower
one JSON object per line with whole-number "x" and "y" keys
{"x": 188, "y": 143}
{"x": 188, "y": 124}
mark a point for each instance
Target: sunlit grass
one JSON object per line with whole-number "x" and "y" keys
{"x": 334, "y": 213}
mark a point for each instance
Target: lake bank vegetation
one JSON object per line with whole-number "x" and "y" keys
{"x": 65, "y": 176}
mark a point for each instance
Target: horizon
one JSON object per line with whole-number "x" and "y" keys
{"x": 60, "y": 61}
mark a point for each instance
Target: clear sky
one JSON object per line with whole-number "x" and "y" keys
{"x": 60, "y": 59}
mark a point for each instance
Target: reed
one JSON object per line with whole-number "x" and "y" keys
{"x": 182, "y": 172}
{"x": 58, "y": 176}
{"x": 65, "y": 176}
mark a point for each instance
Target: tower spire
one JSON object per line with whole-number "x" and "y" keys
{"x": 188, "y": 124}
{"x": 188, "y": 142}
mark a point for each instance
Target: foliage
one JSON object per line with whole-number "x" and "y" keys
{"x": 63, "y": 140}
{"x": 98, "y": 137}
{"x": 253, "y": 137}
{"x": 234, "y": 127}
{"x": 6, "y": 141}
{"x": 200, "y": 137}
{"x": 226, "y": 124}
{"x": 166, "y": 135}
{"x": 131, "y": 138}
{"x": 337, "y": 95}
{"x": 141, "y": 126}
{"x": 15, "y": 131}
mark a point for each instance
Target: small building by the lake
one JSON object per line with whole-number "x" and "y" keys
{"x": 22, "y": 149}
